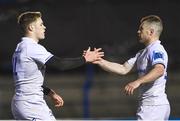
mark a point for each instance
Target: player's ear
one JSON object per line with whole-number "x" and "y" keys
{"x": 30, "y": 27}
{"x": 151, "y": 31}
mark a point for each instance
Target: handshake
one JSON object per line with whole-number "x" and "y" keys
{"x": 93, "y": 56}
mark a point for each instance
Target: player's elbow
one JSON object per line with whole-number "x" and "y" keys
{"x": 123, "y": 71}
{"x": 160, "y": 69}
{"x": 161, "y": 72}
{"x": 125, "y": 68}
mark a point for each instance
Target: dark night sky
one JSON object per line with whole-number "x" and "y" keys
{"x": 72, "y": 26}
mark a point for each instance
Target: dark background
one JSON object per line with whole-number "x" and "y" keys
{"x": 74, "y": 25}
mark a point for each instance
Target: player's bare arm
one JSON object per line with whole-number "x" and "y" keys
{"x": 121, "y": 69}
{"x": 154, "y": 74}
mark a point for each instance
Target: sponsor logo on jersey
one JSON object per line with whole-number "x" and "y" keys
{"x": 157, "y": 55}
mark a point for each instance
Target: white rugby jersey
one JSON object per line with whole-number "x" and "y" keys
{"x": 152, "y": 93}
{"x": 29, "y": 61}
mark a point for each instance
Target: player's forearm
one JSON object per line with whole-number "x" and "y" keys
{"x": 65, "y": 63}
{"x": 113, "y": 67}
{"x": 153, "y": 75}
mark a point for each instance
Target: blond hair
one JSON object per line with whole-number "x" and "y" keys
{"x": 154, "y": 22}
{"x": 26, "y": 18}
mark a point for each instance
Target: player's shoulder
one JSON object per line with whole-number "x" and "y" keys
{"x": 157, "y": 46}
{"x": 157, "y": 49}
{"x": 22, "y": 44}
{"x": 140, "y": 51}
{"x": 31, "y": 45}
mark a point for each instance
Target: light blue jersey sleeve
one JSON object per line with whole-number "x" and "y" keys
{"x": 133, "y": 60}
{"x": 158, "y": 56}
{"x": 38, "y": 53}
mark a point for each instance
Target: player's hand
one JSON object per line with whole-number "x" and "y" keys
{"x": 57, "y": 100}
{"x": 130, "y": 87}
{"x": 99, "y": 61}
{"x": 94, "y": 55}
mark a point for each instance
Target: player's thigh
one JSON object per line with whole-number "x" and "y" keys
{"x": 42, "y": 111}
{"x": 31, "y": 110}
{"x": 16, "y": 110}
{"x": 158, "y": 112}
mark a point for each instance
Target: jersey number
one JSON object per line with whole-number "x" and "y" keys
{"x": 14, "y": 65}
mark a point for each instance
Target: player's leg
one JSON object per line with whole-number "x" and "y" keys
{"x": 31, "y": 110}
{"x": 156, "y": 112}
{"x": 167, "y": 108}
{"x": 19, "y": 110}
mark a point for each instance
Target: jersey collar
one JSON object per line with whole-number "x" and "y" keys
{"x": 155, "y": 42}
{"x": 28, "y": 39}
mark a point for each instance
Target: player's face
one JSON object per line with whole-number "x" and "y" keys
{"x": 39, "y": 29}
{"x": 143, "y": 33}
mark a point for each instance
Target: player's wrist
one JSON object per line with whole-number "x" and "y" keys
{"x": 139, "y": 81}
{"x": 51, "y": 93}
{"x": 101, "y": 62}
{"x": 46, "y": 90}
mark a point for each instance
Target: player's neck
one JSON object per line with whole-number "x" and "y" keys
{"x": 32, "y": 37}
{"x": 151, "y": 41}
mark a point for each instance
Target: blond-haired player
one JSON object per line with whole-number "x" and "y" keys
{"x": 29, "y": 62}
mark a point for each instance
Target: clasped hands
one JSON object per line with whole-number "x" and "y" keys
{"x": 93, "y": 55}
